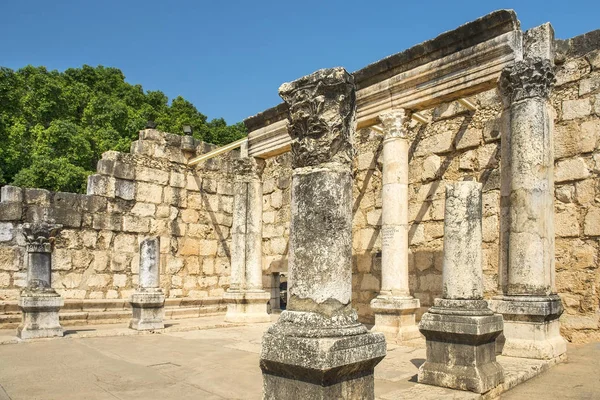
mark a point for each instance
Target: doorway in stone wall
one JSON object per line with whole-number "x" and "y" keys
{"x": 278, "y": 300}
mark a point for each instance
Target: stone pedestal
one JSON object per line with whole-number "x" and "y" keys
{"x": 531, "y": 326}
{"x": 395, "y": 309}
{"x": 460, "y": 329}
{"x": 318, "y": 349}
{"x": 529, "y": 303}
{"x": 147, "y": 303}
{"x": 40, "y": 315}
{"x": 39, "y": 302}
{"x": 396, "y": 317}
{"x": 247, "y": 307}
{"x": 246, "y": 300}
{"x": 148, "y": 310}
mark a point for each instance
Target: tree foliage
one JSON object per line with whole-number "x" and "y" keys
{"x": 54, "y": 126}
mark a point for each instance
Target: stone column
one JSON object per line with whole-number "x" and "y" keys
{"x": 394, "y": 308}
{"x": 318, "y": 349}
{"x": 39, "y": 302}
{"x": 460, "y": 329}
{"x": 529, "y": 304}
{"x": 246, "y": 299}
{"x": 148, "y": 301}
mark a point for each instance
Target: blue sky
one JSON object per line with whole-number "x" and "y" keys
{"x": 229, "y": 57}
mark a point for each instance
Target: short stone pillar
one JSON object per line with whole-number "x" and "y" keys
{"x": 529, "y": 304}
{"x": 460, "y": 329}
{"x": 39, "y": 302}
{"x": 246, "y": 299}
{"x": 318, "y": 349}
{"x": 148, "y": 302}
{"x": 395, "y": 309}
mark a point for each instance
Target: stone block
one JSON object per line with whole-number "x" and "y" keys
{"x": 209, "y": 185}
{"x": 440, "y": 143}
{"x": 572, "y": 109}
{"x": 125, "y": 189}
{"x": 572, "y": 71}
{"x": 37, "y": 196}
{"x": 10, "y": 259}
{"x": 151, "y": 175}
{"x": 571, "y": 170}
{"x": 144, "y": 209}
{"x": 431, "y": 166}
{"x": 136, "y": 224}
{"x": 566, "y": 222}
{"x": 40, "y": 316}
{"x": 591, "y": 225}
{"x": 101, "y": 185}
{"x": 193, "y": 182}
{"x": 589, "y": 85}
{"x": 147, "y": 310}
{"x": 470, "y": 138}
{"x": 177, "y": 179}
{"x": 93, "y": 204}
{"x": 11, "y": 194}
{"x": 111, "y": 222}
{"x": 11, "y": 211}
{"x": 6, "y": 232}
{"x": 149, "y": 192}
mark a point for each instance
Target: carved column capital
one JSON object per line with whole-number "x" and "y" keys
{"x": 394, "y": 123}
{"x": 529, "y": 78}
{"x": 322, "y": 108}
{"x": 40, "y": 236}
{"x": 247, "y": 168}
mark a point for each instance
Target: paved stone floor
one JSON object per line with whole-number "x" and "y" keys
{"x": 216, "y": 362}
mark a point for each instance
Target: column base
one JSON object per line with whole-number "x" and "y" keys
{"x": 460, "y": 337}
{"x": 247, "y": 307}
{"x": 40, "y": 315}
{"x": 148, "y": 310}
{"x": 395, "y": 317}
{"x": 531, "y": 326}
{"x": 301, "y": 367}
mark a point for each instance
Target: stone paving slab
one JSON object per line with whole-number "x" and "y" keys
{"x": 201, "y": 359}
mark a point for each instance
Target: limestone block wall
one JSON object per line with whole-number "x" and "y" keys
{"x": 461, "y": 144}
{"x": 150, "y": 191}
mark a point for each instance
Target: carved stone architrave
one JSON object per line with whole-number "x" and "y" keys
{"x": 532, "y": 77}
{"x": 322, "y": 108}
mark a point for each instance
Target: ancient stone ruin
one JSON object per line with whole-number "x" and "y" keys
{"x": 341, "y": 189}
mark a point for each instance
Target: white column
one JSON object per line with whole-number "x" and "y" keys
{"x": 395, "y": 308}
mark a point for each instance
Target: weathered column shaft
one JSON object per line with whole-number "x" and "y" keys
{"x": 394, "y": 213}
{"x": 246, "y": 299}
{"x": 150, "y": 263}
{"x": 238, "y": 235}
{"x": 254, "y": 235}
{"x": 462, "y": 276}
{"x": 317, "y": 349}
{"x": 460, "y": 329}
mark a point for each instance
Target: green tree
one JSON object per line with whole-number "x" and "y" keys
{"x": 54, "y": 126}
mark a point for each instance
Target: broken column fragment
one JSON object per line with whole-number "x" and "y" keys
{"x": 246, "y": 300}
{"x": 318, "y": 349}
{"x": 39, "y": 302}
{"x": 529, "y": 304}
{"x": 148, "y": 301}
{"x": 460, "y": 329}
{"x": 394, "y": 308}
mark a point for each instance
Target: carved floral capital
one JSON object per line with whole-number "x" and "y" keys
{"x": 526, "y": 79}
{"x": 394, "y": 123}
{"x": 40, "y": 236}
{"x": 247, "y": 168}
{"x": 322, "y": 108}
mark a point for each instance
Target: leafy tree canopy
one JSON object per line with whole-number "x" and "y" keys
{"x": 54, "y": 126}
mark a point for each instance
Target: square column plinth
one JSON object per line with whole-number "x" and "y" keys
{"x": 395, "y": 317}
{"x": 531, "y": 327}
{"x": 461, "y": 346}
{"x": 247, "y": 307}
{"x": 148, "y": 310}
{"x": 319, "y": 368}
{"x": 40, "y": 316}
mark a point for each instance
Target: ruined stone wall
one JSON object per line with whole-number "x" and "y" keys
{"x": 461, "y": 144}
{"x": 150, "y": 192}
